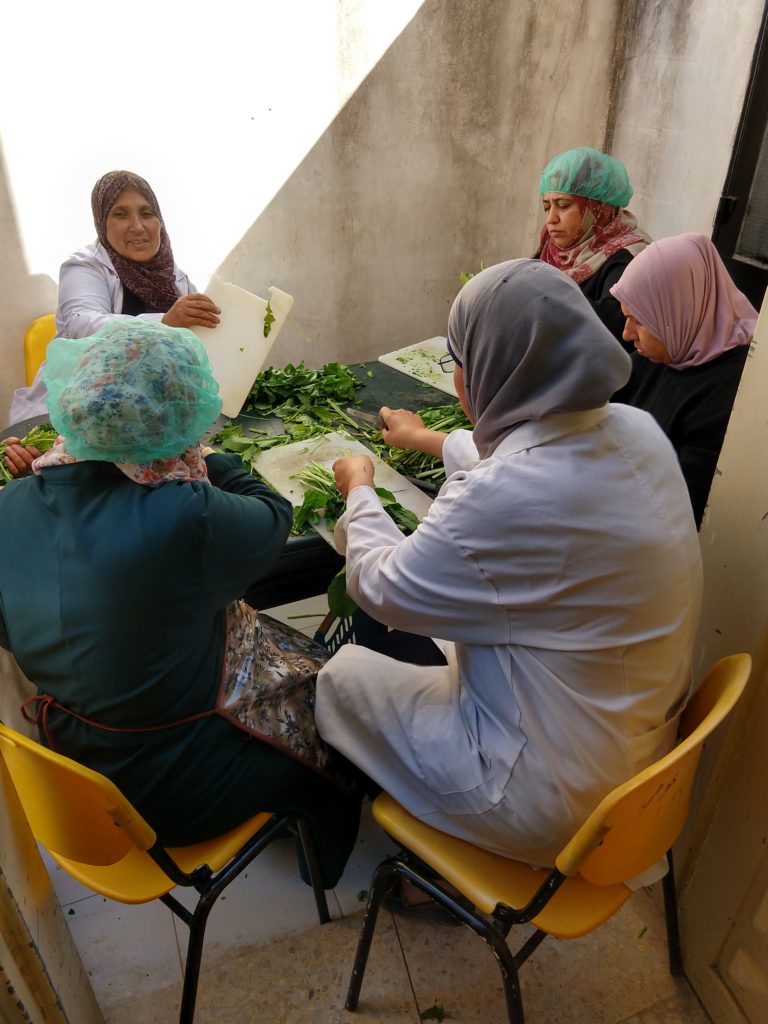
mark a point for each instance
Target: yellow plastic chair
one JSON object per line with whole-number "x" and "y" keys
{"x": 631, "y": 829}
{"x": 36, "y": 338}
{"x": 99, "y": 838}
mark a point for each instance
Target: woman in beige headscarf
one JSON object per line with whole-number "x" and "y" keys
{"x": 569, "y": 609}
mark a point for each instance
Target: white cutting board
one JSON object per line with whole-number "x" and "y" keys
{"x": 237, "y": 347}
{"x": 420, "y": 361}
{"x": 279, "y": 467}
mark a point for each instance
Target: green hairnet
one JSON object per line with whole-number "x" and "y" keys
{"x": 133, "y": 392}
{"x": 587, "y": 172}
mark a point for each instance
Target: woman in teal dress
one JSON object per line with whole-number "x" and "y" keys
{"x": 141, "y": 545}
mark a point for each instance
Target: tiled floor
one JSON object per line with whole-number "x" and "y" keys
{"x": 267, "y": 961}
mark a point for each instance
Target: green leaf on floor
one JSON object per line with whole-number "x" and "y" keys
{"x": 435, "y": 1012}
{"x": 362, "y": 896}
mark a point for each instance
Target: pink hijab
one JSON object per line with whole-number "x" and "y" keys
{"x": 679, "y": 290}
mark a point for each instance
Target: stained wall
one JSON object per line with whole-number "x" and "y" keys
{"x": 427, "y": 168}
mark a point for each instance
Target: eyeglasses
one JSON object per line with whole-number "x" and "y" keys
{"x": 446, "y": 363}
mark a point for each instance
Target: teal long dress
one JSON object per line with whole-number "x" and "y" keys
{"x": 112, "y": 600}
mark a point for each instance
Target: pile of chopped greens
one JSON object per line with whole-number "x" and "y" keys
{"x": 42, "y": 438}
{"x": 295, "y": 390}
{"x": 419, "y": 465}
{"x": 310, "y": 403}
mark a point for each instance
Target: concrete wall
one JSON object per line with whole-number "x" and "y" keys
{"x": 429, "y": 170}
{"x": 358, "y": 164}
{"x": 680, "y": 74}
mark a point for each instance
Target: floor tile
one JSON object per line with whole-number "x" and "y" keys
{"x": 267, "y": 902}
{"x": 304, "y": 615}
{"x": 297, "y": 980}
{"x": 603, "y": 978}
{"x": 125, "y": 949}
{"x": 681, "y": 1008}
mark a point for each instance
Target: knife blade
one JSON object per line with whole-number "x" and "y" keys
{"x": 368, "y": 418}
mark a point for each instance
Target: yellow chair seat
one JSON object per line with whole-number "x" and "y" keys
{"x": 36, "y": 338}
{"x": 138, "y": 879}
{"x": 487, "y": 879}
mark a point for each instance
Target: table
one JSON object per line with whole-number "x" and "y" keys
{"x": 308, "y": 564}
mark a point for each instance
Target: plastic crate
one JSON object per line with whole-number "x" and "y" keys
{"x": 357, "y": 629}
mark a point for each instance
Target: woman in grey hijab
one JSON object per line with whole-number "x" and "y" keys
{"x": 558, "y": 567}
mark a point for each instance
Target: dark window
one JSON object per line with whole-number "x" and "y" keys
{"x": 741, "y": 225}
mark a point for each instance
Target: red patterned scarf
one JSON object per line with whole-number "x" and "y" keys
{"x": 604, "y": 231}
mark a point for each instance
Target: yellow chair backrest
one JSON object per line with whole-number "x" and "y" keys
{"x": 36, "y": 339}
{"x": 73, "y": 811}
{"x": 638, "y": 822}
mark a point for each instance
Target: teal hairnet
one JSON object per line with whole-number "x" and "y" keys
{"x": 587, "y": 172}
{"x": 133, "y": 392}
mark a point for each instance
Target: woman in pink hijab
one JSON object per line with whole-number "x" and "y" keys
{"x": 691, "y": 328}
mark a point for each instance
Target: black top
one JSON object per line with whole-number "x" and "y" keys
{"x": 132, "y": 304}
{"x": 692, "y": 407}
{"x": 596, "y": 289}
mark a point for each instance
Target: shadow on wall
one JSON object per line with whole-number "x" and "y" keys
{"x": 25, "y": 296}
{"x": 430, "y": 170}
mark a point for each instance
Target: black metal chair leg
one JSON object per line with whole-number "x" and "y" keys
{"x": 381, "y": 878}
{"x": 670, "y": 914}
{"x": 194, "y": 958}
{"x": 313, "y": 866}
{"x": 508, "y": 968}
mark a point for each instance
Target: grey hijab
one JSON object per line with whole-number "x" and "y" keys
{"x": 530, "y": 345}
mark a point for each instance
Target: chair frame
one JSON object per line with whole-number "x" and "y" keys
{"x": 494, "y": 927}
{"x": 208, "y": 884}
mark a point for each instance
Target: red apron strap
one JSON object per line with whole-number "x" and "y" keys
{"x": 44, "y": 701}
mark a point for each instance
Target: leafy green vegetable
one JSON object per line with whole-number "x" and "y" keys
{"x": 42, "y": 438}
{"x": 269, "y": 319}
{"x": 297, "y": 389}
{"x": 339, "y": 601}
{"x": 406, "y": 520}
{"x": 464, "y": 277}
{"x": 419, "y": 465}
{"x": 321, "y": 499}
{"x": 435, "y": 1012}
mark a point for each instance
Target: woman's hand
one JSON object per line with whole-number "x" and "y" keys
{"x": 192, "y": 311}
{"x": 353, "y": 471}
{"x": 404, "y": 429}
{"x": 17, "y": 458}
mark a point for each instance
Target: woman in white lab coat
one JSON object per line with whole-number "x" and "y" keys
{"x": 560, "y": 559}
{"x": 129, "y": 271}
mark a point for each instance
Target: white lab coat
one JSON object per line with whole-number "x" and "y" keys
{"x": 90, "y": 295}
{"x": 566, "y": 569}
